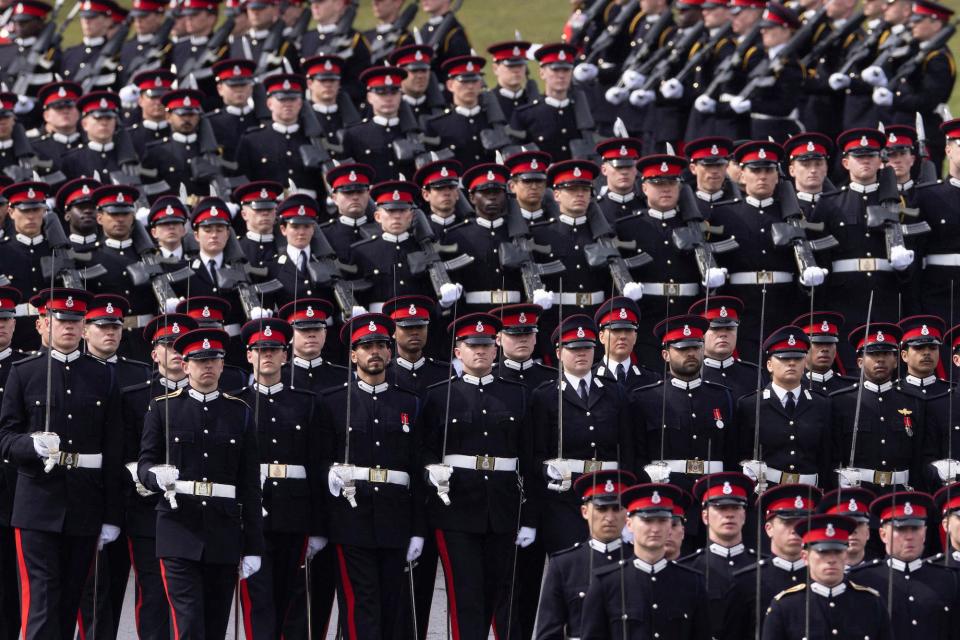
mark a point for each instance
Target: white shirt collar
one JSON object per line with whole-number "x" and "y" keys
{"x": 828, "y": 592}
{"x": 496, "y": 223}
{"x": 613, "y": 196}
{"x": 786, "y": 565}
{"x": 726, "y": 552}
{"x": 184, "y": 138}
{"x": 294, "y": 254}
{"x": 557, "y": 104}
{"x": 605, "y": 547}
{"x": 713, "y": 363}
{"x": 240, "y": 111}
{"x": 512, "y": 95}
{"x": 327, "y": 28}
{"x": 76, "y": 238}
{"x": 921, "y": 382}
{"x": 203, "y": 397}
{"x": 386, "y": 122}
{"x": 28, "y": 42}
{"x": 271, "y": 390}
{"x": 285, "y": 128}
{"x": 395, "y": 238}
{"x": 303, "y": 363}
{"x": 118, "y": 244}
{"x": 35, "y": 240}
{"x": 66, "y": 358}
{"x": 686, "y": 384}
{"x": 709, "y": 197}
{"x": 205, "y": 259}
{"x": 468, "y": 112}
{"x": 531, "y": 215}
{"x": 773, "y": 52}
{"x": 199, "y": 40}
{"x": 908, "y": 567}
{"x": 259, "y": 237}
{"x": 573, "y": 222}
{"x": 353, "y": 222}
{"x": 172, "y": 385}
{"x": 94, "y": 42}
{"x": 444, "y": 222}
{"x": 575, "y": 381}
{"x": 100, "y": 148}
{"x": 662, "y": 215}
{"x": 414, "y": 102}
{"x": 65, "y": 138}
{"x": 612, "y": 364}
{"x": 167, "y": 253}
{"x": 864, "y": 188}
{"x": 380, "y": 388}
{"x": 6, "y": 144}
{"x": 759, "y": 204}
{"x": 821, "y": 377}
{"x": 870, "y": 386}
{"x": 154, "y": 125}
{"x": 518, "y": 366}
{"x": 782, "y": 393}
{"x": 474, "y": 380}
{"x": 403, "y": 363}
{"x": 326, "y": 109}
{"x": 258, "y": 34}
{"x": 808, "y": 197}
{"x": 905, "y": 186}
{"x": 435, "y": 20}
{"x": 646, "y": 567}
{"x": 111, "y": 360}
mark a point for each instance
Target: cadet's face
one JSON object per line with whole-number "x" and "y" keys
{"x": 511, "y": 77}
{"x": 574, "y": 200}
{"x": 169, "y": 362}
{"x": 29, "y": 222}
{"x": 619, "y": 179}
{"x": 605, "y": 521}
{"x": 326, "y": 11}
{"x": 652, "y": 6}
{"x": 169, "y": 235}
{"x": 25, "y": 28}
{"x": 411, "y": 339}
{"x": 662, "y": 196}
{"x": 308, "y": 343}
{"x": 556, "y": 80}
{"x": 386, "y": 10}
{"x": 62, "y": 118}
{"x": 774, "y": 36}
{"x": 371, "y": 357}
{"x": 185, "y": 123}
{"x": 951, "y": 524}
{"x": 826, "y": 567}
{"x": 709, "y": 176}
{"x": 724, "y": 523}
{"x": 6, "y": 127}
{"x": 284, "y": 111}
{"x": 152, "y": 107}
{"x": 259, "y": 220}
{"x": 297, "y": 234}
{"x": 897, "y": 12}
{"x": 530, "y": 192}
{"x": 839, "y": 8}
{"x": 873, "y": 8}
{"x": 808, "y": 175}
{"x": 684, "y": 363}
{"x": 116, "y": 226}
{"x": 650, "y": 534}
{"x": 744, "y": 20}
{"x": 786, "y": 372}
{"x": 878, "y": 366}
{"x": 821, "y": 356}
{"x": 921, "y": 360}
{"x": 266, "y": 362}
{"x": 416, "y": 82}
{"x": 674, "y": 539}
{"x": 903, "y": 543}
{"x": 235, "y": 95}
{"x": 434, "y": 6}
{"x": 384, "y": 104}
{"x": 7, "y": 325}
{"x": 204, "y": 374}
{"x": 719, "y": 342}
{"x": 784, "y": 540}
{"x": 576, "y": 362}
{"x": 902, "y": 161}
{"x": 465, "y": 92}
{"x": 442, "y": 200}
{"x": 477, "y": 359}
{"x": 96, "y": 26}
{"x": 212, "y": 238}
{"x": 102, "y": 340}
{"x": 687, "y": 17}
{"x": 715, "y": 17}
{"x": 82, "y": 218}
{"x": 858, "y": 541}
{"x": 925, "y": 28}
{"x": 99, "y": 129}
{"x": 262, "y": 17}
{"x": 147, "y": 24}
{"x": 953, "y": 157}
{"x": 394, "y": 221}
{"x": 66, "y": 333}
{"x": 759, "y": 182}
{"x": 517, "y": 346}
{"x": 489, "y": 203}
{"x": 862, "y": 169}
{"x": 618, "y": 343}
{"x": 200, "y": 23}
{"x": 324, "y": 91}
{"x": 352, "y": 204}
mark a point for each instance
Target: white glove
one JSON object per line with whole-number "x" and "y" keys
{"x": 671, "y": 89}
{"x": 143, "y": 216}
{"x": 740, "y": 105}
{"x": 947, "y": 469}
{"x": 439, "y": 474}
{"x": 658, "y": 471}
{"x": 249, "y": 565}
{"x": 633, "y": 290}
{"x": 543, "y": 298}
{"x": 24, "y": 105}
{"x": 558, "y": 470}
{"x": 642, "y": 97}
{"x": 233, "y": 208}
{"x": 315, "y": 545}
{"x": 813, "y": 276}
{"x": 532, "y": 50}
{"x": 166, "y": 475}
{"x": 415, "y": 548}
{"x": 357, "y": 310}
{"x": 336, "y": 479}
{"x": 632, "y": 79}
{"x": 46, "y": 444}
{"x": 525, "y": 537}
{"x": 259, "y": 312}
{"x": 838, "y": 81}
{"x": 848, "y": 477}
{"x": 449, "y": 292}
{"x": 170, "y": 305}
{"x": 875, "y": 76}
{"x": 754, "y": 469}
{"x": 585, "y": 72}
{"x": 716, "y": 277}
{"x": 705, "y": 104}
{"x": 108, "y": 533}
{"x": 129, "y": 95}
{"x": 882, "y": 97}
{"x": 901, "y": 257}
{"x": 616, "y": 95}
{"x": 626, "y": 534}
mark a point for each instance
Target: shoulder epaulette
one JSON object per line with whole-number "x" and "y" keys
{"x": 136, "y": 387}
{"x": 574, "y": 547}
{"x": 797, "y": 588}
{"x": 32, "y": 356}
{"x": 647, "y": 387}
{"x": 172, "y": 394}
{"x": 860, "y": 587}
{"x": 361, "y": 242}
{"x": 442, "y": 382}
{"x": 609, "y": 568}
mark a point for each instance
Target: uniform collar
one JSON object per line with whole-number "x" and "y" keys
{"x": 373, "y": 390}
{"x": 111, "y": 360}
{"x": 173, "y": 385}
{"x": 828, "y": 592}
{"x": 184, "y": 138}
{"x": 65, "y": 138}
{"x": 445, "y": 222}
{"x": 76, "y": 238}
{"x": 327, "y": 28}
{"x": 6, "y": 144}
{"x": 353, "y": 222}
{"x": 411, "y": 366}
{"x": 295, "y": 254}
{"x": 518, "y": 366}
{"x": 921, "y": 382}
{"x": 285, "y": 128}
{"x": 30, "y": 242}
{"x": 26, "y": 42}
{"x": 906, "y": 186}
{"x": 955, "y": 182}
{"x": 864, "y": 188}
{"x": 467, "y": 112}
{"x": 258, "y": 34}
{"x": 713, "y": 363}
{"x": 239, "y": 111}
{"x": 259, "y": 237}
{"x": 531, "y": 215}
{"x": 386, "y": 122}
{"x": 571, "y": 221}
{"x": 395, "y": 238}
{"x": 821, "y": 377}
{"x": 94, "y": 42}
{"x": 773, "y": 52}
{"x": 435, "y": 20}
{"x": 906, "y": 567}
{"x": 709, "y": 197}
{"x": 786, "y": 565}
{"x": 662, "y": 215}
{"x": 808, "y": 197}
{"x": 726, "y": 552}
{"x": 199, "y": 40}
{"x": 556, "y": 104}
{"x": 303, "y": 363}
{"x": 496, "y": 223}
{"x": 605, "y": 547}
{"x": 105, "y": 147}
{"x": 575, "y": 381}
{"x": 271, "y": 390}
{"x": 118, "y": 244}
{"x": 66, "y": 358}
{"x": 646, "y": 567}
{"x": 684, "y": 384}
{"x": 6, "y": 353}
{"x": 326, "y": 109}
{"x": 203, "y": 397}
{"x": 512, "y": 95}
{"x": 176, "y": 253}
{"x": 613, "y": 196}
{"x": 414, "y": 102}
{"x": 759, "y": 204}
{"x": 474, "y": 380}
{"x": 870, "y": 386}
{"x": 154, "y": 125}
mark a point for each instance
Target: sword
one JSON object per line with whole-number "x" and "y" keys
{"x": 756, "y": 464}
{"x": 443, "y": 486}
{"x": 558, "y": 463}
{"x": 658, "y": 470}
{"x": 349, "y": 485}
{"x": 848, "y": 473}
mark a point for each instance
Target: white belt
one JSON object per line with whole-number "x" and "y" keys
{"x": 380, "y": 476}
{"x": 137, "y": 322}
{"x": 670, "y": 289}
{"x": 481, "y": 463}
{"x": 26, "y": 309}
{"x": 492, "y": 297}
{"x": 233, "y": 330}
{"x": 785, "y": 477}
{"x": 580, "y": 299}
{"x": 942, "y": 260}
{"x": 694, "y": 467}
{"x": 291, "y": 471}
{"x": 205, "y": 489}
{"x": 589, "y": 466}
{"x": 861, "y": 264}
{"x": 80, "y": 460}
{"x": 883, "y": 478}
{"x": 761, "y": 277}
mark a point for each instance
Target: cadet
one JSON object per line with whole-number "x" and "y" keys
{"x": 371, "y": 140}
{"x": 58, "y": 102}
{"x": 595, "y": 434}
{"x": 350, "y": 46}
{"x": 234, "y": 79}
{"x": 947, "y": 501}
{"x": 854, "y": 503}
{"x": 638, "y": 593}
{"x": 258, "y": 207}
{"x": 449, "y": 44}
{"x": 68, "y": 501}
{"x": 350, "y": 190}
{"x": 823, "y": 331}
{"x": 890, "y": 432}
{"x": 720, "y": 343}
{"x": 210, "y": 312}
{"x": 167, "y": 221}
{"x": 528, "y": 182}
{"x": 100, "y": 118}
{"x": 75, "y": 202}
{"x": 28, "y": 18}
{"x": 901, "y": 154}
{"x": 173, "y": 156}
{"x": 618, "y": 197}
{"x": 510, "y": 69}
{"x": 831, "y": 602}
{"x": 298, "y": 216}
{"x": 263, "y": 17}
{"x": 518, "y": 341}
{"x": 439, "y": 183}
{"x": 571, "y": 571}
{"x": 410, "y": 368}
{"x": 96, "y": 25}
{"x": 920, "y": 351}
{"x": 618, "y": 319}
{"x": 708, "y": 159}
{"x": 148, "y": 17}
{"x": 458, "y": 128}
{"x": 384, "y": 531}
{"x": 419, "y": 90}
{"x": 792, "y": 424}
{"x": 309, "y": 318}
{"x": 152, "y": 125}
{"x": 808, "y": 157}
{"x": 216, "y": 528}
{"x": 102, "y": 335}
{"x": 325, "y": 98}
{"x": 923, "y": 595}
{"x": 479, "y": 461}
{"x": 290, "y": 476}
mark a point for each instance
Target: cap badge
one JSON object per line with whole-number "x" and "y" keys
{"x": 310, "y": 312}
{"x": 263, "y": 194}
{"x": 830, "y": 531}
{"x": 608, "y": 488}
{"x": 469, "y": 66}
{"x": 880, "y": 337}
{"x": 490, "y": 176}
{"x": 714, "y": 150}
{"x": 301, "y": 211}
{"x": 268, "y": 332}
{"x": 327, "y": 65}
{"x": 396, "y": 195}
{"x": 372, "y": 326}
{"x": 186, "y": 101}
{"x": 175, "y": 328}
{"x": 516, "y": 51}
{"x": 206, "y": 312}
{"x": 663, "y": 167}
{"x": 31, "y": 193}
{"x": 352, "y": 177}
{"x": 727, "y": 489}
{"x": 791, "y": 340}
{"x": 20, "y": 8}
{"x": 623, "y": 150}
{"x": 798, "y": 503}
{"x": 418, "y": 55}
{"x": 214, "y": 212}
{"x": 69, "y": 302}
{"x": 534, "y": 164}
{"x": 109, "y": 307}
{"x": 388, "y": 81}
{"x": 762, "y": 154}
{"x": 479, "y": 328}
{"x": 286, "y": 85}
{"x": 908, "y": 509}
{"x": 120, "y": 197}
{"x": 623, "y": 314}
{"x": 924, "y": 331}
{"x": 103, "y": 103}
{"x": 562, "y": 55}
{"x": 580, "y": 332}
{"x": 863, "y": 141}
{"x": 236, "y": 70}
{"x": 444, "y": 172}
{"x": 892, "y": 139}
{"x": 206, "y": 343}
{"x": 825, "y": 326}
{"x": 61, "y": 92}
{"x": 852, "y": 506}
{"x": 86, "y": 189}
{"x": 686, "y": 330}
{"x": 576, "y": 172}
{"x": 655, "y": 498}
{"x": 522, "y": 318}
{"x": 723, "y": 312}
{"x": 168, "y": 211}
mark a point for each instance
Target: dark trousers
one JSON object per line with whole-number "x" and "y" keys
{"x": 266, "y": 595}
{"x": 113, "y": 571}
{"x": 323, "y": 586}
{"x": 530, "y": 564}
{"x": 424, "y": 580}
{"x": 199, "y": 595}
{"x": 9, "y": 591}
{"x": 478, "y": 568}
{"x": 370, "y": 593}
{"x": 152, "y": 613}
{"x": 53, "y": 568}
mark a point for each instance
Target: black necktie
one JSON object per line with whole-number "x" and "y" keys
{"x": 583, "y": 390}
{"x": 791, "y": 404}
{"x": 301, "y": 261}
{"x": 621, "y": 373}
{"x": 212, "y": 265}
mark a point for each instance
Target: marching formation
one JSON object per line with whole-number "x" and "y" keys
{"x": 654, "y": 338}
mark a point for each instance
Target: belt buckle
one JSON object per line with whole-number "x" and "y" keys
{"x": 883, "y": 478}
{"x": 277, "y": 470}
{"x": 204, "y": 489}
{"x": 498, "y": 297}
{"x": 695, "y": 467}
{"x": 789, "y": 478}
{"x": 486, "y": 463}
{"x": 866, "y": 264}
{"x": 589, "y": 466}
{"x": 671, "y": 289}
{"x": 377, "y": 475}
{"x": 584, "y": 299}
{"x": 69, "y": 460}
{"x": 764, "y": 277}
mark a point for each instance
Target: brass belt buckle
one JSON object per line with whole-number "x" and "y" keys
{"x": 498, "y": 297}
{"x": 277, "y": 470}
{"x": 69, "y": 460}
{"x": 789, "y": 478}
{"x": 764, "y": 277}
{"x": 867, "y": 264}
{"x": 584, "y": 299}
{"x": 203, "y": 489}
{"x": 486, "y": 463}
{"x": 695, "y": 467}
{"x": 589, "y": 466}
{"x": 883, "y": 478}
{"x": 377, "y": 475}
{"x": 671, "y": 289}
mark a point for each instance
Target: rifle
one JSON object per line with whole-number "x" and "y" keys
{"x": 837, "y": 36}
{"x": 235, "y": 276}
{"x": 62, "y": 260}
{"x": 412, "y": 145}
{"x": 725, "y": 71}
{"x": 896, "y": 45}
{"x": 916, "y": 61}
{"x": 208, "y": 167}
{"x": 888, "y": 212}
{"x": 150, "y": 267}
{"x": 28, "y": 163}
{"x": 927, "y": 176}
{"x": 611, "y": 33}
{"x": 201, "y": 66}
{"x": 108, "y": 58}
{"x": 677, "y": 50}
{"x": 156, "y": 49}
{"x": 428, "y": 258}
{"x": 295, "y": 33}
{"x": 446, "y": 25}
{"x": 48, "y": 40}
{"x": 604, "y": 251}
{"x": 340, "y": 43}
{"x": 273, "y": 48}
{"x": 130, "y": 172}
{"x": 498, "y": 136}
{"x": 641, "y": 54}
{"x": 385, "y": 42}
{"x": 584, "y": 147}
{"x": 863, "y": 49}
{"x": 589, "y": 16}
{"x": 518, "y": 252}
{"x": 793, "y": 230}
{"x": 698, "y": 59}
{"x": 316, "y": 154}
{"x": 691, "y": 236}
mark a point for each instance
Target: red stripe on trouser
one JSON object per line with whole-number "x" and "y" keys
{"x": 81, "y": 632}
{"x": 173, "y": 610}
{"x": 136, "y": 582}
{"x": 347, "y": 595}
{"x": 247, "y": 609}
{"x": 448, "y": 577}
{"x": 24, "y": 585}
